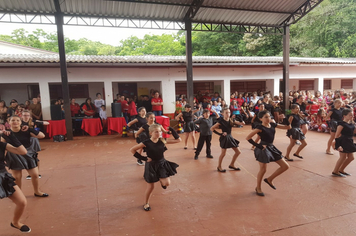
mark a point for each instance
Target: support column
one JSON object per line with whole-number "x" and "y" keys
{"x": 64, "y": 75}
{"x": 108, "y": 96}
{"x": 286, "y": 49}
{"x": 276, "y": 87}
{"x": 353, "y": 84}
{"x": 225, "y": 89}
{"x": 45, "y": 101}
{"x": 168, "y": 87}
{"x": 319, "y": 85}
{"x": 189, "y": 61}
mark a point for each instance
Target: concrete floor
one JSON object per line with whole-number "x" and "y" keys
{"x": 96, "y": 188}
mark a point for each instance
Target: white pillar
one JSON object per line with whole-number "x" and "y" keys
{"x": 168, "y": 88}
{"x": 108, "y": 96}
{"x": 225, "y": 89}
{"x": 45, "y": 100}
{"x": 354, "y": 84}
{"x": 319, "y": 85}
{"x": 276, "y": 87}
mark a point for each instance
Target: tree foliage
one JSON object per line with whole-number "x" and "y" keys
{"x": 327, "y": 31}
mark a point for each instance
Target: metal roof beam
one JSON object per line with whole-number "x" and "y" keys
{"x": 193, "y": 9}
{"x": 301, "y": 11}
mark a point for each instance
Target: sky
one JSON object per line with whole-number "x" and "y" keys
{"x": 107, "y": 35}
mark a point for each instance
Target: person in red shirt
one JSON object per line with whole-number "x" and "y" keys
{"x": 124, "y": 107}
{"x": 206, "y": 96}
{"x": 157, "y": 104}
{"x": 132, "y": 109}
{"x": 314, "y": 108}
{"x": 74, "y": 108}
{"x": 240, "y": 100}
{"x": 89, "y": 108}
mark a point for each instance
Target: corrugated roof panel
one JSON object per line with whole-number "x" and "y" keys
{"x": 265, "y": 5}
{"x": 239, "y": 17}
{"x": 35, "y": 6}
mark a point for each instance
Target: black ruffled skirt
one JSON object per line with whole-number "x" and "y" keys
{"x": 20, "y": 162}
{"x": 35, "y": 144}
{"x": 189, "y": 127}
{"x": 155, "y": 170}
{"x": 347, "y": 144}
{"x": 269, "y": 154}
{"x": 7, "y": 183}
{"x": 332, "y": 125}
{"x": 228, "y": 141}
{"x": 296, "y": 134}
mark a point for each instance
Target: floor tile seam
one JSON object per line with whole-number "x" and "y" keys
{"x": 312, "y": 222}
{"x": 97, "y": 197}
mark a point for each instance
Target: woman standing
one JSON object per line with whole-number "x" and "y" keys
{"x": 188, "y": 127}
{"x": 266, "y": 152}
{"x": 8, "y": 187}
{"x": 344, "y": 143}
{"x": 17, "y": 163}
{"x": 157, "y": 168}
{"x": 226, "y": 139}
{"x": 89, "y": 108}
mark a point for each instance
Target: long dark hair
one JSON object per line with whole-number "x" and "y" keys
{"x": 91, "y": 106}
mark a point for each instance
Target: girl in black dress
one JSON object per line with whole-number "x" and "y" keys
{"x": 295, "y": 133}
{"x": 256, "y": 121}
{"x": 188, "y": 126}
{"x": 17, "y": 163}
{"x": 8, "y": 187}
{"x": 157, "y": 168}
{"x": 226, "y": 140}
{"x": 335, "y": 116}
{"x": 140, "y": 120}
{"x": 266, "y": 152}
{"x": 344, "y": 143}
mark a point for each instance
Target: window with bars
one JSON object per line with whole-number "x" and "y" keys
{"x": 327, "y": 84}
{"x": 247, "y": 86}
{"x": 75, "y": 91}
{"x": 203, "y": 87}
{"x": 347, "y": 83}
{"x": 306, "y": 84}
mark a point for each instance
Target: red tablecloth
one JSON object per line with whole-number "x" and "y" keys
{"x": 92, "y": 126}
{"x": 56, "y": 127}
{"x": 116, "y": 124}
{"x": 164, "y": 121}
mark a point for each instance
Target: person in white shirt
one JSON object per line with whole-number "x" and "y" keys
{"x": 216, "y": 107}
{"x": 98, "y": 102}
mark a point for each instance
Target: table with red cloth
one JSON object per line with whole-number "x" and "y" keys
{"x": 164, "y": 121}
{"x": 92, "y": 126}
{"x": 116, "y": 124}
{"x": 56, "y": 127}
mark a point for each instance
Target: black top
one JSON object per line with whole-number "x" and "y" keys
{"x": 348, "y": 129}
{"x": 187, "y": 116}
{"x": 141, "y": 121}
{"x": 257, "y": 120}
{"x": 205, "y": 125}
{"x": 336, "y": 114}
{"x": 2, "y": 155}
{"x": 267, "y": 134}
{"x": 302, "y": 107}
{"x": 225, "y": 125}
{"x": 155, "y": 150}
{"x": 269, "y": 107}
{"x": 296, "y": 121}
{"x": 23, "y": 136}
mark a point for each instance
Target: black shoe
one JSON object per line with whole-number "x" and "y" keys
{"x": 196, "y": 157}
{"x": 146, "y": 208}
{"x": 164, "y": 187}
{"x": 43, "y": 195}
{"x": 23, "y": 229}
{"x": 261, "y": 194}
{"x": 140, "y": 163}
{"x": 338, "y": 174}
{"x": 185, "y": 148}
{"x": 288, "y": 159}
{"x": 234, "y": 168}
{"x": 222, "y": 170}
{"x": 209, "y": 156}
{"x": 271, "y": 185}
{"x": 344, "y": 173}
{"x": 195, "y": 148}
{"x": 297, "y": 156}
{"x": 28, "y": 177}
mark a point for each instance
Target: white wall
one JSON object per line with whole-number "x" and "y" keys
{"x": 12, "y": 91}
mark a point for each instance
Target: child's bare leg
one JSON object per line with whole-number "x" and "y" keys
{"x": 237, "y": 153}
{"x": 261, "y": 173}
{"x": 20, "y": 200}
{"x": 221, "y": 157}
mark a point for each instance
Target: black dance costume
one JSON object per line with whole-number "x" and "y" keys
{"x": 346, "y": 139}
{"x": 28, "y": 161}
{"x": 188, "y": 122}
{"x": 141, "y": 122}
{"x": 159, "y": 167}
{"x": 7, "y": 182}
{"x": 256, "y": 121}
{"x": 270, "y": 153}
{"x": 295, "y": 131}
{"x": 226, "y": 141}
{"x": 335, "y": 117}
